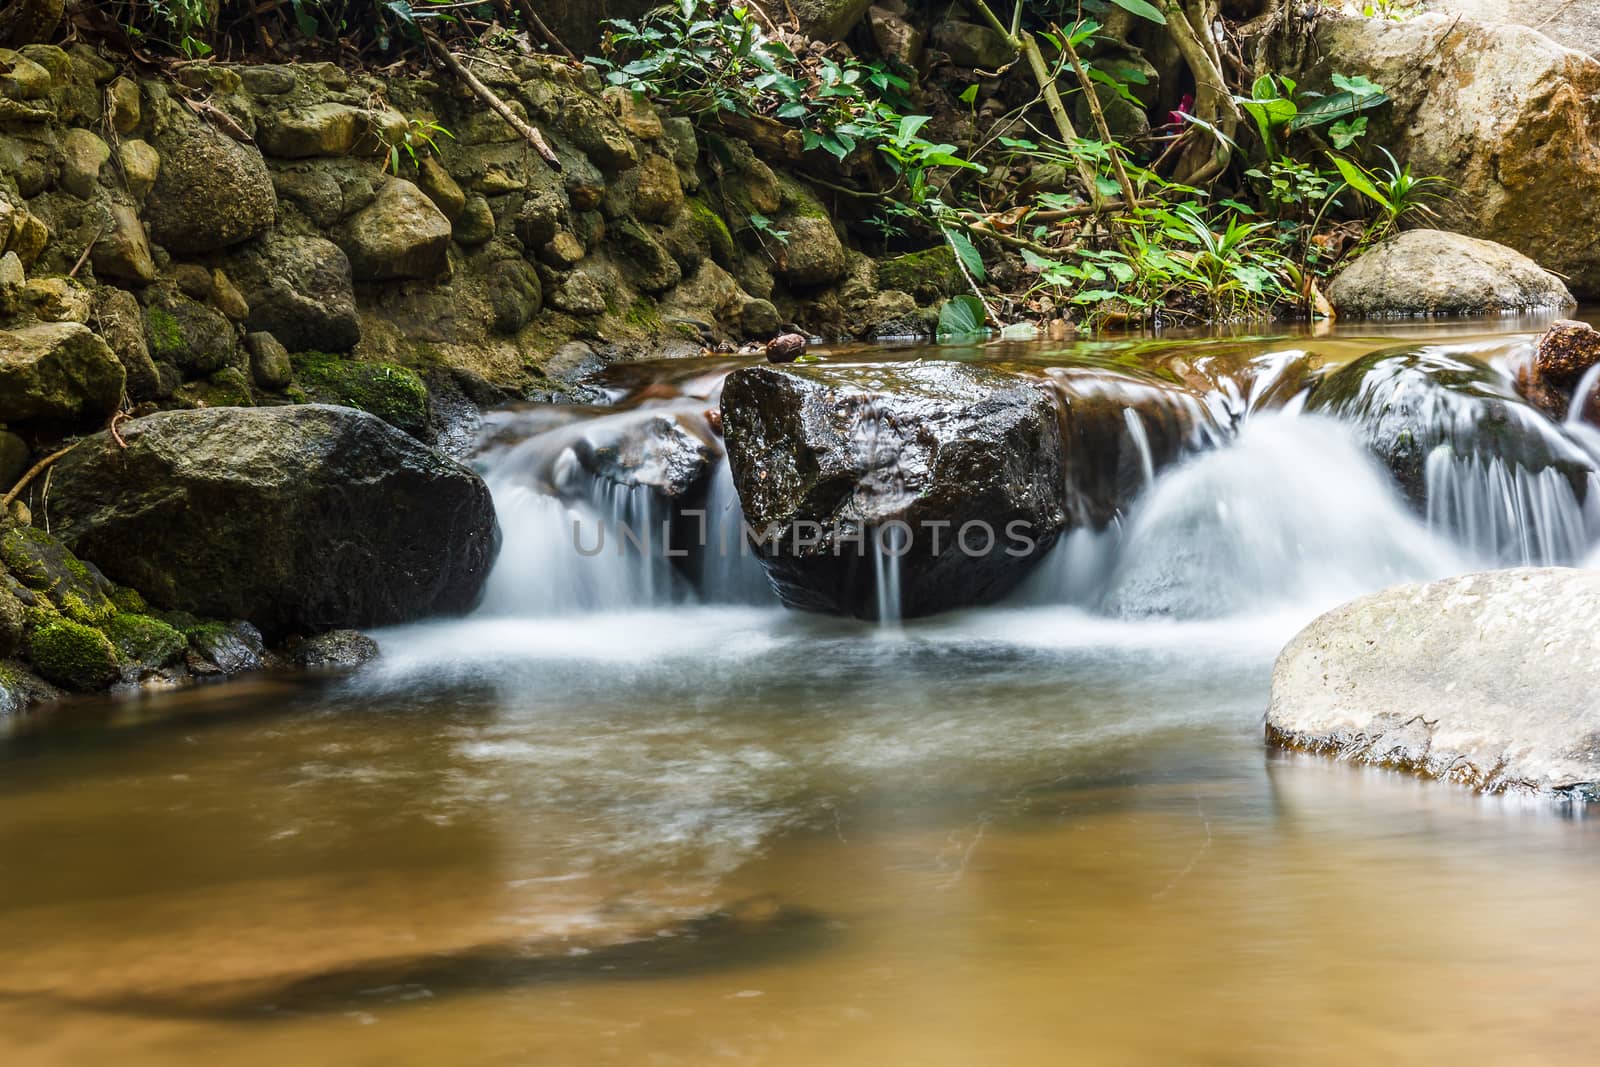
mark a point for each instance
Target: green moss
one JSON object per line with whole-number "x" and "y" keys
{"x": 643, "y": 314}
{"x": 227, "y": 388}
{"x": 393, "y": 393}
{"x": 798, "y": 201}
{"x": 927, "y": 275}
{"x": 73, "y": 655}
{"x": 91, "y": 611}
{"x": 142, "y": 639}
{"x": 713, "y": 230}
{"x": 164, "y": 335}
{"x": 129, "y": 600}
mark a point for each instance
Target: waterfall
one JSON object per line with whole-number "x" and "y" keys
{"x": 1505, "y": 514}
{"x": 730, "y": 573}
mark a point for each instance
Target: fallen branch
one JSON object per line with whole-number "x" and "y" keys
{"x": 497, "y": 105}
{"x": 526, "y": 7}
{"x": 33, "y": 472}
{"x": 1091, "y": 97}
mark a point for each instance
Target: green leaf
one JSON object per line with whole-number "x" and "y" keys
{"x": 1334, "y": 106}
{"x": 969, "y": 94}
{"x": 1345, "y": 134}
{"x": 1360, "y": 85}
{"x": 909, "y": 125}
{"x": 967, "y": 252}
{"x": 1357, "y": 179}
{"x": 962, "y": 316}
{"x": 1143, "y": 9}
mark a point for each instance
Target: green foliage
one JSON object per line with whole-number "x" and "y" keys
{"x": 1394, "y": 190}
{"x": 414, "y": 143}
{"x": 962, "y": 317}
{"x": 1279, "y": 107}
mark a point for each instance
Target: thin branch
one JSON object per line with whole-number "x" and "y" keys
{"x": 1092, "y": 98}
{"x": 497, "y": 105}
{"x": 33, "y": 472}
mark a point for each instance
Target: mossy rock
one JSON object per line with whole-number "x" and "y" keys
{"x": 393, "y": 393}
{"x": 927, "y": 275}
{"x": 190, "y": 336}
{"x": 713, "y": 231}
{"x": 144, "y": 640}
{"x": 227, "y": 388}
{"x": 72, "y": 587}
{"x": 73, "y": 655}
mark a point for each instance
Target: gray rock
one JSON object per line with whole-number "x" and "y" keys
{"x": 401, "y": 234}
{"x": 232, "y": 648}
{"x": 1431, "y": 272}
{"x": 579, "y": 294}
{"x": 82, "y": 156}
{"x": 1489, "y": 680}
{"x": 299, "y": 289}
{"x": 971, "y": 45}
{"x": 828, "y": 20}
{"x": 515, "y": 295}
{"x": 189, "y": 335}
{"x": 123, "y": 250}
{"x": 212, "y": 191}
{"x": 299, "y": 518}
{"x": 58, "y": 371}
{"x": 476, "y": 222}
{"x": 326, "y": 129}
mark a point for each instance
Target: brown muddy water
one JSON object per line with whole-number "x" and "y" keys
{"x": 681, "y": 834}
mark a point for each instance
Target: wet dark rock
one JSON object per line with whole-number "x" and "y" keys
{"x": 338, "y": 650}
{"x": 1455, "y": 680}
{"x": 226, "y": 648}
{"x": 1407, "y": 404}
{"x": 20, "y": 689}
{"x": 660, "y": 451}
{"x": 831, "y": 460}
{"x": 299, "y": 518}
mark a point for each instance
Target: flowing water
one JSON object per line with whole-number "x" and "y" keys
{"x": 634, "y": 812}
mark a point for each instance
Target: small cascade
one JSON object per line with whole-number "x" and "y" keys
{"x": 1506, "y": 515}
{"x": 889, "y": 544}
{"x": 1583, "y": 396}
{"x": 1141, "y": 444}
{"x": 1294, "y": 511}
{"x": 730, "y": 572}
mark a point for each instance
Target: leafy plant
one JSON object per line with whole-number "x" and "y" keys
{"x": 962, "y": 317}
{"x": 1395, "y": 190}
{"x": 413, "y": 143}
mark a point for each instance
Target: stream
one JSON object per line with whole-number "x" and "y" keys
{"x": 636, "y": 814}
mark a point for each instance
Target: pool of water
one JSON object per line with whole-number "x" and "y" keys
{"x": 1031, "y": 834}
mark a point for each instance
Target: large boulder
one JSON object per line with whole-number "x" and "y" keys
{"x": 300, "y": 518}
{"x": 299, "y": 290}
{"x": 1490, "y": 680}
{"x": 952, "y": 470}
{"x": 58, "y": 372}
{"x": 1574, "y": 23}
{"x": 1432, "y": 272}
{"x": 1509, "y": 116}
{"x": 401, "y": 234}
{"x": 211, "y": 191}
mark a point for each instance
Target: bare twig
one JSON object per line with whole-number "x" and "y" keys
{"x": 1091, "y": 96}
{"x": 497, "y": 105}
{"x": 526, "y": 7}
{"x": 33, "y": 472}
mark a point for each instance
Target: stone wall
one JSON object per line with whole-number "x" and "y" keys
{"x": 271, "y": 234}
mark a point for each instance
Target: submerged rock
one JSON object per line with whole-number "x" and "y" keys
{"x": 1490, "y": 680}
{"x": 298, "y": 518}
{"x": 1431, "y": 272}
{"x": 955, "y": 469}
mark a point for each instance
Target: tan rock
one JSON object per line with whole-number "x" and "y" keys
{"x": 82, "y": 156}
{"x": 23, "y": 79}
{"x": 227, "y": 298}
{"x": 141, "y": 166}
{"x": 123, "y": 250}
{"x": 57, "y": 299}
{"x": 123, "y": 96}
{"x": 442, "y": 189}
{"x": 635, "y": 113}
{"x": 328, "y": 129}
{"x": 658, "y": 195}
{"x": 563, "y": 251}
